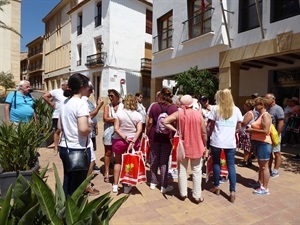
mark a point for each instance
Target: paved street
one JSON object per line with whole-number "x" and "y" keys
{"x": 146, "y": 206}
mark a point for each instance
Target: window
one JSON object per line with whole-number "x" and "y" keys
{"x": 148, "y": 21}
{"x": 98, "y": 14}
{"x": 283, "y": 9}
{"x": 165, "y": 31}
{"x": 248, "y": 18}
{"x": 79, "y": 26}
{"x": 199, "y": 21}
{"x": 79, "y": 55}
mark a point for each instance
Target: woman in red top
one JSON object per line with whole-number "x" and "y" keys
{"x": 192, "y": 129}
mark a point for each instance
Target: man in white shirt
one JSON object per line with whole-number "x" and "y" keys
{"x": 55, "y": 99}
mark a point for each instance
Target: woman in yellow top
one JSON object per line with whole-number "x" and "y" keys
{"x": 262, "y": 144}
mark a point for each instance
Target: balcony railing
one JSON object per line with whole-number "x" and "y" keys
{"x": 79, "y": 29}
{"x": 146, "y": 64}
{"x": 198, "y": 25}
{"x": 95, "y": 60}
{"x": 163, "y": 40}
{"x": 97, "y": 21}
{"x": 35, "y": 52}
{"x": 34, "y": 68}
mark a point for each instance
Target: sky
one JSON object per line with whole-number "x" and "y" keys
{"x": 32, "y": 13}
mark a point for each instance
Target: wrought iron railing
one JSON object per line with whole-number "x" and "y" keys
{"x": 96, "y": 59}
{"x": 163, "y": 40}
{"x": 198, "y": 25}
{"x": 97, "y": 21}
{"x": 79, "y": 29}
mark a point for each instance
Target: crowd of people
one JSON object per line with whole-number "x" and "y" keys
{"x": 203, "y": 127}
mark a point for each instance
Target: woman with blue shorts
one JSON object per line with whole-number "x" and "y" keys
{"x": 262, "y": 144}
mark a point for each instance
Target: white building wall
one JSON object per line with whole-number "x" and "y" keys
{"x": 254, "y": 36}
{"x": 202, "y": 51}
{"x": 123, "y": 33}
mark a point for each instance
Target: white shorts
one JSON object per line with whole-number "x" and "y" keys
{"x": 93, "y": 156}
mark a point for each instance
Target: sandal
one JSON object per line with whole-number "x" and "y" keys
{"x": 106, "y": 179}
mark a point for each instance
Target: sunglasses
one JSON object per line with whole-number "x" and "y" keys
{"x": 110, "y": 96}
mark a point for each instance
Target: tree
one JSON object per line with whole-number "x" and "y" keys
{"x": 2, "y": 24}
{"x": 6, "y": 81}
{"x": 197, "y": 82}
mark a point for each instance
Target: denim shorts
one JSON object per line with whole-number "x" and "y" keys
{"x": 262, "y": 150}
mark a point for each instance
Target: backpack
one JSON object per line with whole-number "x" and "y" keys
{"x": 160, "y": 127}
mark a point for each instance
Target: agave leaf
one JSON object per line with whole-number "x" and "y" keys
{"x": 94, "y": 205}
{"x": 115, "y": 206}
{"x": 72, "y": 212}
{"x": 29, "y": 216}
{"x": 77, "y": 195}
{"x": 46, "y": 199}
{"x": 60, "y": 197}
{"x": 6, "y": 207}
{"x": 44, "y": 171}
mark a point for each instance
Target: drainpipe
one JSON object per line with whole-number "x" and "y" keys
{"x": 259, "y": 20}
{"x": 226, "y": 26}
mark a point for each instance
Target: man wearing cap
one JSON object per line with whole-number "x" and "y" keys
{"x": 55, "y": 99}
{"x": 254, "y": 95}
{"x": 277, "y": 115}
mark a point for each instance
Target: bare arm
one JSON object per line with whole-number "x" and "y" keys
{"x": 98, "y": 107}
{"x": 149, "y": 124}
{"x": 203, "y": 132}
{"x": 106, "y": 116}
{"x": 169, "y": 120}
{"x": 6, "y": 112}
{"x": 247, "y": 118}
{"x": 47, "y": 98}
{"x": 83, "y": 126}
{"x": 280, "y": 124}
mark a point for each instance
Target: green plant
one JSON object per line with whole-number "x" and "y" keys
{"x": 19, "y": 145}
{"x": 45, "y": 207}
{"x": 7, "y": 81}
{"x": 198, "y": 82}
{"x": 44, "y": 114}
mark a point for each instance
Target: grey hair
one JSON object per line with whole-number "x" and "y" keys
{"x": 22, "y": 82}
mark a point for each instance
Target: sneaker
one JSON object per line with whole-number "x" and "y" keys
{"x": 167, "y": 189}
{"x": 274, "y": 174}
{"x": 96, "y": 171}
{"x": 223, "y": 180}
{"x": 152, "y": 186}
{"x": 174, "y": 173}
{"x": 261, "y": 191}
{"x": 115, "y": 188}
{"x": 296, "y": 157}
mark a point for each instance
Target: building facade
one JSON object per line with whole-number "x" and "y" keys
{"x": 111, "y": 43}
{"x": 35, "y": 57}
{"x": 253, "y": 46}
{"x": 57, "y": 41}
{"x": 10, "y": 41}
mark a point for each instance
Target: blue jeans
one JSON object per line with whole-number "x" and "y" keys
{"x": 72, "y": 180}
{"x": 230, "y": 160}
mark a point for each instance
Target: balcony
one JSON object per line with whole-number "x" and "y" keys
{"x": 97, "y": 21}
{"x": 35, "y": 68}
{"x": 36, "y": 51}
{"x": 198, "y": 25}
{"x": 146, "y": 64}
{"x": 95, "y": 60}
